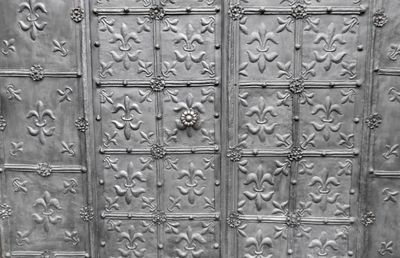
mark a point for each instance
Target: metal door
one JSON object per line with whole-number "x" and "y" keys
{"x": 199, "y": 128}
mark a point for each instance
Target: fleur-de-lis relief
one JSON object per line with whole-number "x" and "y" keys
{"x": 391, "y": 150}
{"x": 330, "y": 39}
{"x": 8, "y": 46}
{"x": 125, "y": 54}
{"x": 68, "y": 148}
{"x": 65, "y": 94}
{"x": 190, "y": 115}
{"x": 324, "y": 184}
{"x": 348, "y": 96}
{"x": 130, "y": 188}
{"x": 259, "y": 178}
{"x": 13, "y": 93}
{"x": 322, "y": 245}
{"x": 348, "y": 69}
{"x": 190, "y": 39}
{"x": 106, "y": 96}
{"x": 19, "y": 185}
{"x": 106, "y": 24}
{"x": 109, "y": 138}
{"x": 191, "y": 188}
{"x": 16, "y": 147}
{"x": 48, "y": 206}
{"x": 258, "y": 246}
{"x": 127, "y": 118}
{"x": 110, "y": 163}
{"x": 191, "y": 241}
{"x": 208, "y": 24}
{"x": 394, "y": 52}
{"x": 261, "y": 127}
{"x": 345, "y": 168}
{"x": 131, "y": 242}
{"x": 390, "y": 195}
{"x": 350, "y": 24}
{"x": 328, "y": 110}
{"x": 39, "y": 117}
{"x": 394, "y": 95}
{"x": 106, "y": 69}
{"x": 32, "y": 24}
{"x": 59, "y": 46}
{"x": 71, "y": 237}
{"x": 263, "y": 54}
{"x": 70, "y": 186}
{"x": 386, "y": 248}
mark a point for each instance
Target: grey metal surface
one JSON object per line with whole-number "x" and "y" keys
{"x": 199, "y": 128}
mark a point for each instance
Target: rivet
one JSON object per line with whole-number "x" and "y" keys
{"x": 352, "y": 220}
{"x": 79, "y": 74}
{"x": 216, "y": 246}
{"x": 255, "y": 152}
{"x": 157, "y": 46}
{"x": 159, "y": 183}
{"x": 325, "y": 220}
{"x": 125, "y": 83}
{"x": 130, "y": 215}
{"x": 297, "y": 46}
{"x": 159, "y": 116}
{"x": 217, "y": 9}
{"x": 352, "y": 191}
{"x": 98, "y": 118}
{"x": 188, "y": 83}
{"x": 329, "y": 9}
{"x": 323, "y": 154}
{"x": 126, "y": 10}
{"x": 216, "y": 148}
{"x": 96, "y": 44}
{"x": 294, "y": 182}
{"x": 216, "y": 82}
{"x": 350, "y": 253}
{"x": 129, "y": 150}
{"x": 191, "y": 217}
{"x": 193, "y": 150}
{"x": 102, "y": 243}
{"x": 217, "y": 182}
{"x": 261, "y": 10}
{"x": 331, "y": 84}
{"x": 101, "y": 182}
{"x": 264, "y": 85}
{"x": 84, "y": 169}
{"x": 101, "y": 150}
{"x": 217, "y": 216}
{"x": 87, "y": 255}
{"x": 97, "y": 81}
{"x": 216, "y": 115}
{"x": 217, "y": 46}
{"x": 290, "y": 251}
{"x": 95, "y": 11}
{"x": 360, "y": 47}
{"x": 160, "y": 246}
{"x": 358, "y": 83}
{"x": 371, "y": 170}
{"x": 103, "y": 215}
{"x": 188, "y": 9}
{"x": 356, "y": 120}
{"x": 296, "y": 118}
{"x": 259, "y": 218}
{"x": 8, "y": 255}
{"x": 356, "y": 152}
{"x": 376, "y": 69}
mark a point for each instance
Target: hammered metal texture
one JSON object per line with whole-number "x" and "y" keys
{"x": 199, "y": 128}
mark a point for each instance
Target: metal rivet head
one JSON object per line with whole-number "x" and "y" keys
{"x": 87, "y": 255}
{"x": 217, "y": 217}
{"x": 294, "y": 182}
{"x": 216, "y": 82}
{"x": 95, "y": 11}
{"x": 331, "y": 84}
{"x": 101, "y": 182}
{"x": 159, "y": 183}
{"x": 8, "y": 255}
{"x": 360, "y": 47}
{"x": 264, "y": 85}
{"x": 216, "y": 148}
{"x": 350, "y": 253}
{"x": 216, "y": 115}
{"x": 129, "y": 150}
{"x": 262, "y": 10}
{"x": 188, "y": 84}
{"x": 217, "y": 182}
{"x": 259, "y": 218}
{"x": 191, "y": 217}
{"x": 217, "y": 9}
{"x": 297, "y": 46}
{"x": 193, "y": 150}
{"x": 160, "y": 246}
{"x": 356, "y": 120}
{"x": 352, "y": 191}
{"x": 358, "y": 83}
{"x": 126, "y": 10}
{"x": 96, "y": 44}
{"x": 125, "y": 83}
{"x": 325, "y": 220}
{"x": 103, "y": 215}
{"x": 296, "y": 118}
{"x": 84, "y": 169}
{"x": 356, "y": 152}
{"x": 290, "y": 251}
{"x": 102, "y": 243}
{"x": 216, "y": 246}
{"x": 188, "y": 9}
{"x": 323, "y": 154}
{"x": 159, "y": 116}
{"x": 217, "y": 46}
{"x": 255, "y": 152}
{"x": 371, "y": 170}
{"x": 101, "y": 150}
{"x": 329, "y": 9}
{"x": 98, "y": 118}
{"x": 157, "y": 46}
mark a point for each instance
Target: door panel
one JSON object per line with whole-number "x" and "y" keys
{"x": 199, "y": 128}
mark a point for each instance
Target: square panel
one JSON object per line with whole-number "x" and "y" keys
{"x": 194, "y": 186}
{"x": 332, "y": 47}
{"x": 198, "y": 238}
{"x": 260, "y": 185}
{"x": 39, "y": 32}
{"x": 41, "y": 115}
{"x": 188, "y": 49}
{"x": 191, "y": 117}
{"x": 323, "y": 185}
{"x": 265, "y": 116}
{"x": 331, "y": 121}
{"x": 386, "y": 139}
{"x": 128, "y": 117}
{"x": 48, "y": 211}
{"x": 129, "y": 184}
{"x": 266, "y": 48}
{"x": 124, "y": 52}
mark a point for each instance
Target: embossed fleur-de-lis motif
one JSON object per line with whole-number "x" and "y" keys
{"x": 258, "y": 246}
{"x": 386, "y": 248}
{"x": 261, "y": 111}
{"x": 323, "y": 245}
{"x": 8, "y": 46}
{"x": 190, "y": 116}
{"x": 33, "y": 25}
{"x": 191, "y": 240}
{"x": 39, "y": 120}
{"x": 190, "y": 39}
{"x": 130, "y": 241}
{"x": 394, "y": 52}
{"x": 65, "y": 94}
{"x": 48, "y": 207}
{"x": 191, "y": 188}
{"x": 259, "y": 178}
{"x": 323, "y": 193}
{"x": 131, "y": 178}
{"x": 263, "y": 55}
{"x": 328, "y": 110}
{"x": 125, "y": 54}
{"x": 330, "y": 39}
{"x": 13, "y": 93}
{"x": 127, "y": 118}
{"x": 394, "y": 95}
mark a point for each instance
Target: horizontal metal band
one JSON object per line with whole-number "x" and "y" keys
{"x": 310, "y": 10}
{"x": 54, "y": 168}
{"x": 316, "y": 153}
{"x": 307, "y": 84}
{"x": 56, "y": 253}
{"x": 144, "y": 11}
{"x": 384, "y": 173}
{"x": 51, "y": 74}
{"x": 132, "y": 83}
{"x": 169, "y": 150}
{"x": 170, "y": 216}
{"x": 304, "y": 220}
{"x": 388, "y": 71}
